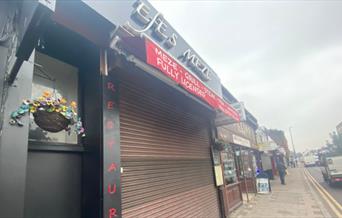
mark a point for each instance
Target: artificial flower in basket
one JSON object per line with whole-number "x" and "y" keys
{"x": 50, "y": 113}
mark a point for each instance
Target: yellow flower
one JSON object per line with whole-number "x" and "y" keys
{"x": 63, "y": 101}
{"x": 41, "y": 98}
{"x": 33, "y": 109}
{"x": 64, "y": 108}
{"x": 46, "y": 94}
{"x": 73, "y": 104}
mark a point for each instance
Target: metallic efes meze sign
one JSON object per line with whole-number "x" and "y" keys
{"x": 142, "y": 14}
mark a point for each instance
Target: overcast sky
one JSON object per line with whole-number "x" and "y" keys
{"x": 283, "y": 59}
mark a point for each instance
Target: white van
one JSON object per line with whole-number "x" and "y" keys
{"x": 332, "y": 171}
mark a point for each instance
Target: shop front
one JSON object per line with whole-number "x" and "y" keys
{"x": 147, "y": 103}
{"x": 268, "y": 149}
{"x": 165, "y": 152}
{"x": 237, "y": 166}
{"x": 246, "y": 170}
{"x": 239, "y": 160}
{"x": 230, "y": 189}
{"x": 245, "y": 163}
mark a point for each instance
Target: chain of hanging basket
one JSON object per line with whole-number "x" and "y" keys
{"x": 50, "y": 113}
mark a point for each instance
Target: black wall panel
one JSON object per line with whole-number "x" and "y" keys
{"x": 53, "y": 185}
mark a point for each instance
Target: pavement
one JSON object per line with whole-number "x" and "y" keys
{"x": 297, "y": 199}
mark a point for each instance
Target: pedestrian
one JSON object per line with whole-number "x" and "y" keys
{"x": 292, "y": 163}
{"x": 282, "y": 171}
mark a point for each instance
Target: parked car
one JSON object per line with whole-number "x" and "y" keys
{"x": 332, "y": 171}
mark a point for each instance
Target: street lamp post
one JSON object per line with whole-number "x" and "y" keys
{"x": 293, "y": 148}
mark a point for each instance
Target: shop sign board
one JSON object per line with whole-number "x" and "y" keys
{"x": 224, "y": 135}
{"x": 139, "y": 17}
{"x": 158, "y": 58}
{"x": 150, "y": 53}
{"x": 111, "y": 149}
{"x": 263, "y": 185}
{"x": 165, "y": 49}
{"x": 241, "y": 141}
{"x": 218, "y": 175}
{"x": 267, "y": 146}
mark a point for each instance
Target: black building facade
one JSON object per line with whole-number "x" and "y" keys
{"x": 147, "y": 102}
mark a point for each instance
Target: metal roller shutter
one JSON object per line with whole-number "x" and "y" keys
{"x": 165, "y": 157}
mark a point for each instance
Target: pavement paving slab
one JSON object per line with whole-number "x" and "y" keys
{"x": 296, "y": 199}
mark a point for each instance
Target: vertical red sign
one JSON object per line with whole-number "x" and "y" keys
{"x": 111, "y": 149}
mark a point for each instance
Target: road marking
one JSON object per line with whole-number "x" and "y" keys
{"x": 316, "y": 185}
{"x": 321, "y": 203}
{"x": 338, "y": 205}
{"x": 324, "y": 191}
{"x": 332, "y": 206}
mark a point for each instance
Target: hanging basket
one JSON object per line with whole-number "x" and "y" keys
{"x": 219, "y": 145}
{"x": 50, "y": 121}
{"x": 50, "y": 114}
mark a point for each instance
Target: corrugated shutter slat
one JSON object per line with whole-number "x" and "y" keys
{"x": 166, "y": 159}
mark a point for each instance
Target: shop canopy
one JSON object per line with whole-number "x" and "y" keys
{"x": 150, "y": 53}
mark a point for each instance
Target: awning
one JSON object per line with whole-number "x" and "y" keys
{"x": 222, "y": 120}
{"x": 153, "y": 55}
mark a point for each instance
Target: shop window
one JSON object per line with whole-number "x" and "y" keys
{"x": 246, "y": 164}
{"x": 229, "y": 169}
{"x": 61, "y": 80}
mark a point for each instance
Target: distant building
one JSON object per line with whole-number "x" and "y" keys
{"x": 269, "y": 148}
{"x": 279, "y": 138}
{"x": 264, "y": 142}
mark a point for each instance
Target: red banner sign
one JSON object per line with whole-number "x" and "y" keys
{"x": 159, "y": 59}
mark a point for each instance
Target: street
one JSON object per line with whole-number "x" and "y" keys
{"x": 300, "y": 197}
{"x": 335, "y": 192}
{"x": 184, "y": 109}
